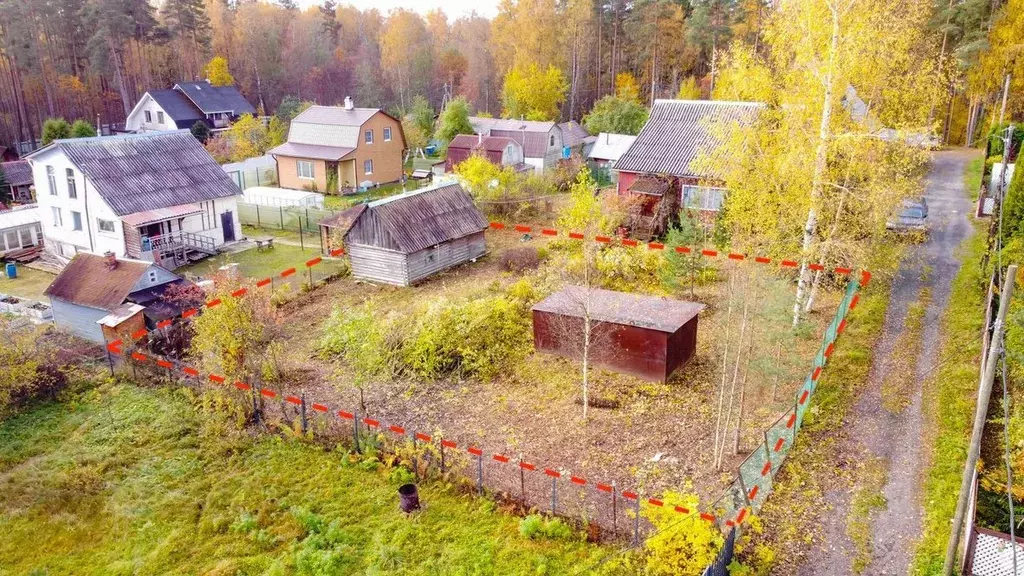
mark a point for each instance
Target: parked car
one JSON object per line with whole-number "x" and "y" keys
{"x": 912, "y": 217}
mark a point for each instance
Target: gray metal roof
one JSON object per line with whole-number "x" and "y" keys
{"x": 140, "y": 172}
{"x": 652, "y": 312}
{"x": 572, "y": 133}
{"x": 533, "y": 136}
{"x": 314, "y": 151}
{"x": 426, "y": 217}
{"x": 210, "y": 98}
{"x": 177, "y": 105}
{"x": 335, "y": 115}
{"x": 679, "y": 131}
{"x": 17, "y": 173}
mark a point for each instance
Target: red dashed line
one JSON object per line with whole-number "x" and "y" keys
{"x": 605, "y": 488}
{"x": 766, "y": 468}
{"x": 629, "y": 242}
{"x": 734, "y": 256}
{"x": 629, "y": 495}
{"x": 817, "y": 372}
{"x": 313, "y": 262}
{"x": 293, "y": 400}
{"x": 371, "y": 422}
{"x": 190, "y": 371}
{"x": 603, "y": 239}
{"x": 743, "y": 514}
{"x": 578, "y": 480}
{"x": 682, "y": 509}
{"x": 842, "y": 326}
{"x": 242, "y": 386}
{"x": 216, "y": 378}
{"x": 655, "y": 246}
{"x": 346, "y": 415}
{"x": 549, "y": 232}
{"x": 139, "y": 357}
{"x": 164, "y": 364}
{"x": 683, "y": 249}
{"x": 753, "y": 492}
{"x": 707, "y": 517}
{"x": 791, "y": 420}
{"x": 287, "y": 272}
{"x": 843, "y": 271}
{"x": 337, "y": 252}
{"x": 264, "y": 282}
{"x": 527, "y": 466}
{"x": 803, "y": 397}
{"x": 655, "y": 502}
{"x": 423, "y": 437}
{"x": 239, "y": 293}
{"x": 497, "y": 225}
{"x": 268, "y": 393}
{"x": 396, "y": 429}
{"x": 189, "y": 313}
{"x": 816, "y": 267}
{"x": 789, "y": 264}
{"x": 853, "y": 303}
{"x": 475, "y": 451}
{"x": 828, "y": 351}
{"x": 762, "y": 260}
{"x": 779, "y": 443}
{"x": 449, "y": 444}
{"x": 707, "y": 252}
{"x": 320, "y": 408}
{"x": 164, "y": 323}
{"x": 575, "y": 235}
{"x": 214, "y": 302}
{"x": 730, "y": 523}
{"x": 500, "y": 458}
{"x": 521, "y": 228}
{"x": 139, "y": 333}
{"x": 552, "y": 473}
{"x": 865, "y": 277}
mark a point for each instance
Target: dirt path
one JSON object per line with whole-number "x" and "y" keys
{"x": 886, "y": 442}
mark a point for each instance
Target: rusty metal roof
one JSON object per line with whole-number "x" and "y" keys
{"x": 140, "y": 172}
{"x": 652, "y": 312}
{"x": 423, "y": 218}
{"x": 87, "y": 281}
{"x": 679, "y": 131}
{"x": 17, "y": 173}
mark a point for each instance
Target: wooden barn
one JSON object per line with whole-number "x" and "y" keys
{"x": 646, "y": 336}
{"x": 403, "y": 239}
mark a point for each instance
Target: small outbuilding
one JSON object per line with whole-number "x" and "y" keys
{"x": 271, "y": 196}
{"x": 646, "y": 336}
{"x": 405, "y": 238}
{"x": 20, "y": 229}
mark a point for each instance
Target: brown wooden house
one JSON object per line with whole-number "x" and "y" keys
{"x": 647, "y": 336}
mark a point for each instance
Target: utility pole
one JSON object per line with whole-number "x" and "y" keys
{"x": 984, "y": 392}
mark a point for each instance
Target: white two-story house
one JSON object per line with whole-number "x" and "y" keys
{"x": 157, "y": 196}
{"x": 180, "y": 107}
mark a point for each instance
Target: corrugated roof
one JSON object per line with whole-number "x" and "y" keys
{"x": 342, "y": 222}
{"x": 609, "y": 146}
{"x": 149, "y": 216}
{"x": 488, "y": 124}
{"x": 211, "y": 98}
{"x": 679, "y": 131}
{"x": 141, "y": 172}
{"x": 335, "y": 115}
{"x": 87, "y": 281}
{"x": 572, "y": 133}
{"x": 473, "y": 142}
{"x": 19, "y": 216}
{"x": 652, "y": 312}
{"x": 533, "y": 136}
{"x": 314, "y": 151}
{"x": 177, "y": 105}
{"x": 650, "y": 185}
{"x": 427, "y": 217}
{"x": 17, "y": 173}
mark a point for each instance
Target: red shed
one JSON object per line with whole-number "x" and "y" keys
{"x": 647, "y": 336}
{"x": 497, "y": 149}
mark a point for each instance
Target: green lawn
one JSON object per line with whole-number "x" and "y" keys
{"x": 973, "y": 174}
{"x": 335, "y": 202}
{"x": 257, "y": 264}
{"x": 28, "y": 283}
{"x": 136, "y": 481}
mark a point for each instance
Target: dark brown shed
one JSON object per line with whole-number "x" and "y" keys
{"x": 647, "y": 336}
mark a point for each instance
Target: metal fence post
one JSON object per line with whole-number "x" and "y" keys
{"x": 302, "y": 407}
{"x": 522, "y": 482}
{"x": 615, "y": 503}
{"x": 280, "y": 212}
{"x": 443, "y": 470}
{"x": 255, "y": 405}
{"x": 636, "y": 521}
{"x": 110, "y": 362}
{"x": 768, "y": 455}
{"x": 743, "y": 487}
{"x": 554, "y": 495}
{"x": 258, "y": 224}
{"x": 355, "y": 429}
{"x": 480, "y": 474}
{"x": 302, "y": 244}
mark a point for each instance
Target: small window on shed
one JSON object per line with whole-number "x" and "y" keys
{"x": 551, "y": 139}
{"x": 152, "y": 276}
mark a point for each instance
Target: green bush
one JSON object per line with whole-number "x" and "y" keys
{"x": 535, "y": 527}
{"x": 366, "y": 339}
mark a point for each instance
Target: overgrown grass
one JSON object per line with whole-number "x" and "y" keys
{"x": 973, "y": 175}
{"x": 949, "y": 404}
{"x": 794, "y": 510}
{"x": 901, "y": 373}
{"x": 28, "y": 283}
{"x": 257, "y": 263}
{"x": 867, "y": 499}
{"x": 140, "y": 481}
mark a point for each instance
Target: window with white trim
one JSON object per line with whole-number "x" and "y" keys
{"x": 368, "y": 136}
{"x": 387, "y": 134}
{"x": 57, "y": 220}
{"x": 51, "y": 179}
{"x": 304, "y": 169}
{"x": 367, "y": 167}
{"x": 76, "y": 221}
{"x": 72, "y": 191}
{"x": 159, "y": 117}
{"x": 703, "y": 198}
{"x": 105, "y": 225}
{"x": 149, "y": 115}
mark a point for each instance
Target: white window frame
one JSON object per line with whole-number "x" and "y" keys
{"x": 387, "y": 134}
{"x": 370, "y": 162}
{"x": 368, "y": 136}
{"x": 51, "y": 179}
{"x": 76, "y": 221}
{"x": 58, "y": 218}
{"x": 149, "y": 116}
{"x": 72, "y": 190}
{"x": 160, "y": 117}
{"x": 101, "y": 223}
{"x": 298, "y": 169}
{"x": 705, "y": 198}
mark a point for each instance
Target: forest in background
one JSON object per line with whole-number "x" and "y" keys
{"x": 92, "y": 59}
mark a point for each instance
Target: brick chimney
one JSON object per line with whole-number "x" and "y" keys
{"x": 111, "y": 260}
{"x": 348, "y": 103}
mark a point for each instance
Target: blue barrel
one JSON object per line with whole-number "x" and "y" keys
{"x": 12, "y": 270}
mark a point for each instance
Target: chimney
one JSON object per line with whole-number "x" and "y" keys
{"x": 348, "y": 103}
{"x": 111, "y": 260}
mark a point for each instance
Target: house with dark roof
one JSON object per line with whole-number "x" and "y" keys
{"x": 180, "y": 107}
{"x": 576, "y": 138}
{"x": 405, "y": 238}
{"x": 543, "y": 142}
{"x": 16, "y": 182}
{"x": 93, "y": 292}
{"x": 496, "y": 149}
{"x": 156, "y": 196}
{"x": 682, "y": 140}
{"x": 340, "y": 148}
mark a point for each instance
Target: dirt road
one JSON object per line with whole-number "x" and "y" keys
{"x": 883, "y": 441}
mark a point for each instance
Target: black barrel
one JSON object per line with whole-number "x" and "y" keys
{"x": 408, "y": 498}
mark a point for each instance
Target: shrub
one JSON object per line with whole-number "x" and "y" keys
{"x": 626, "y": 268}
{"x": 694, "y": 543}
{"x": 535, "y": 527}
{"x": 520, "y": 259}
{"x": 364, "y": 338}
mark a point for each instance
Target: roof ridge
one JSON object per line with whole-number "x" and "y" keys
{"x": 719, "y": 102}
